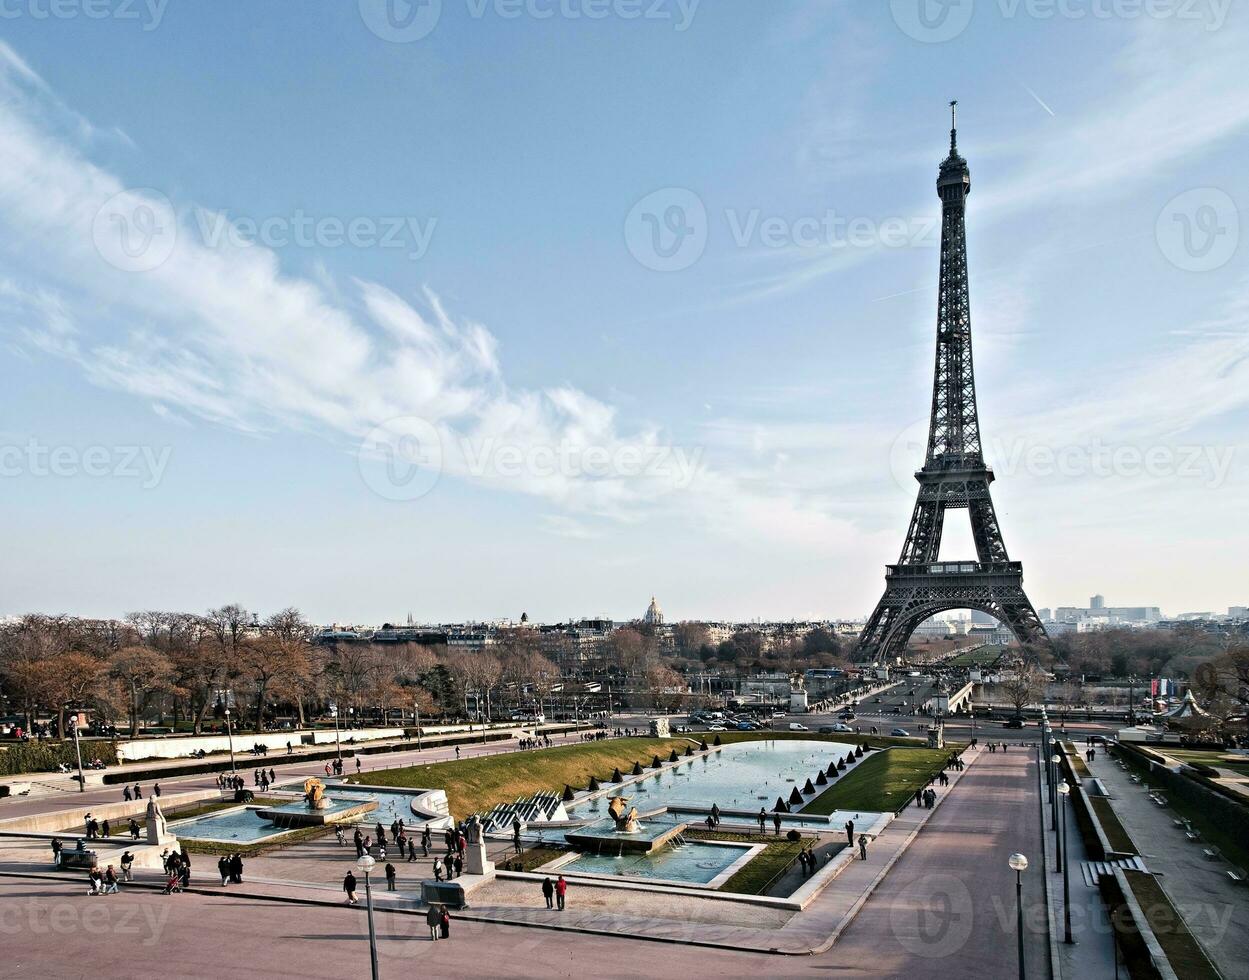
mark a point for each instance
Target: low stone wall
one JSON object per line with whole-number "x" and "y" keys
{"x": 115, "y": 813}
{"x": 183, "y": 746}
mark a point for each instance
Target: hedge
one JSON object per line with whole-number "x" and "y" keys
{"x": 44, "y": 756}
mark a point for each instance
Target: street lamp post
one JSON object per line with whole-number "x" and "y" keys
{"x": 1019, "y": 864}
{"x": 365, "y": 864}
{"x": 416, "y": 721}
{"x": 1063, "y": 790}
{"x": 82, "y": 780}
{"x": 338, "y": 745}
{"x": 1056, "y": 761}
{"x": 230, "y": 735}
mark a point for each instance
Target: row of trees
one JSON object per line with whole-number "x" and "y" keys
{"x": 190, "y": 667}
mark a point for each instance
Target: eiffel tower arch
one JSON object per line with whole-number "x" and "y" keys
{"x": 954, "y": 474}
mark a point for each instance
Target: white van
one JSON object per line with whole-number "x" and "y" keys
{"x": 795, "y": 727}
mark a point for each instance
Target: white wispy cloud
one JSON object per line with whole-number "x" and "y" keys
{"x": 221, "y": 332}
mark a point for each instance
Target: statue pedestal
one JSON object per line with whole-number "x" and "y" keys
{"x": 475, "y": 862}
{"x": 157, "y": 830}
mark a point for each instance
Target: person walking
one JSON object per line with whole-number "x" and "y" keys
{"x": 763, "y": 819}
{"x": 138, "y": 793}
{"x": 349, "y": 886}
{"x": 390, "y": 877}
{"x": 437, "y": 869}
{"x": 862, "y": 847}
{"x": 433, "y": 919}
{"x": 444, "y": 924}
{"x": 156, "y": 789}
{"x": 56, "y": 851}
{"x": 236, "y": 869}
{"x": 548, "y": 891}
{"x": 127, "y": 860}
{"x": 561, "y": 890}
{"x": 412, "y": 850}
{"x": 459, "y": 866}
{"x": 223, "y": 869}
{"x": 802, "y": 859}
{"x": 426, "y": 840}
{"x": 126, "y": 794}
{"x": 850, "y": 832}
{"x": 776, "y": 821}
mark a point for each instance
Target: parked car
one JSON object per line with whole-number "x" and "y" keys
{"x": 716, "y": 728}
{"x": 900, "y": 733}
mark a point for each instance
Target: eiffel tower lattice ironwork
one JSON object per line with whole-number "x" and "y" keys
{"x": 954, "y": 474}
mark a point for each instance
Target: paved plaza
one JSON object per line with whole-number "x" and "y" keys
{"x": 935, "y": 898}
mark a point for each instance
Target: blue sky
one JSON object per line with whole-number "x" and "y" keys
{"x": 628, "y": 305}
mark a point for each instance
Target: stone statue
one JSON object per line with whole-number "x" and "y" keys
{"x": 156, "y": 827}
{"x": 472, "y": 829}
{"x": 626, "y": 823}
{"x": 314, "y": 793}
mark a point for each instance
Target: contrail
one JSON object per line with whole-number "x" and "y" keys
{"x": 1039, "y": 100}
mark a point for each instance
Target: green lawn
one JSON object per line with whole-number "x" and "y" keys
{"x": 882, "y": 782}
{"x": 479, "y": 784}
{"x": 1219, "y": 760}
{"x": 764, "y": 867}
{"x": 1184, "y": 953}
{"x": 1115, "y": 832}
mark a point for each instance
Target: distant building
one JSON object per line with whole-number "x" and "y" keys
{"x": 1097, "y": 602}
{"x": 654, "y": 615}
{"x": 1044, "y": 614}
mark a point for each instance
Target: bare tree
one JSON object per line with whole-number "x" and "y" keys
{"x": 143, "y": 673}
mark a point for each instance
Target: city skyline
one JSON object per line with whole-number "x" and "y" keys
{"x": 627, "y": 359}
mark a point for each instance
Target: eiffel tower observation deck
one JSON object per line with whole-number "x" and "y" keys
{"x": 954, "y": 474}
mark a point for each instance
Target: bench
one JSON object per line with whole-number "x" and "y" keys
{"x": 1158, "y": 799}
{"x": 1193, "y": 835}
{"x": 80, "y": 860}
{"x": 1180, "y": 823}
{"x": 1136, "y": 779}
{"x": 1211, "y": 853}
{"x": 1237, "y": 875}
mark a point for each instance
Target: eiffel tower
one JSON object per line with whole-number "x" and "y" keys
{"x": 954, "y": 474}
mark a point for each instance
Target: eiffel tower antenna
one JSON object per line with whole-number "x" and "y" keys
{"x": 954, "y": 474}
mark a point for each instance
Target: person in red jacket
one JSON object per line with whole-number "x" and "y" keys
{"x": 561, "y": 889}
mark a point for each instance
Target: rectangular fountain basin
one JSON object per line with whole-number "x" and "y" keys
{"x": 603, "y": 838}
